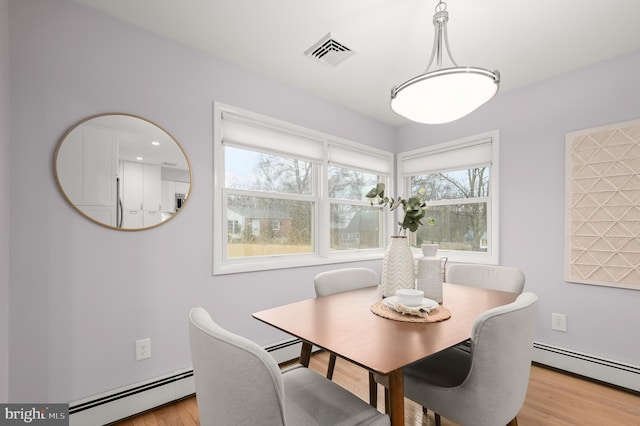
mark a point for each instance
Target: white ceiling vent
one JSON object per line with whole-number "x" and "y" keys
{"x": 328, "y": 51}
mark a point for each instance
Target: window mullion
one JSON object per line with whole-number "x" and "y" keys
{"x": 321, "y": 219}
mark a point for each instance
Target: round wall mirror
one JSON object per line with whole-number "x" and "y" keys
{"x": 122, "y": 171}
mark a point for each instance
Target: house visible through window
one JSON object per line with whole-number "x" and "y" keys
{"x": 272, "y": 199}
{"x": 290, "y": 196}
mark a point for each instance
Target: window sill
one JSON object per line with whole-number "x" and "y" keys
{"x": 275, "y": 262}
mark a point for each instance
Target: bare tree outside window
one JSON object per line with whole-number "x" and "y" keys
{"x": 262, "y": 183}
{"x": 458, "y": 201}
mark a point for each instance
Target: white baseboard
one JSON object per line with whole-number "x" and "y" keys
{"x": 605, "y": 370}
{"x": 124, "y": 402}
{"x": 130, "y": 400}
{"x": 285, "y": 350}
{"x": 127, "y": 401}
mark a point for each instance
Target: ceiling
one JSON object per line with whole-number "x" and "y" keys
{"x": 136, "y": 137}
{"x": 526, "y": 40}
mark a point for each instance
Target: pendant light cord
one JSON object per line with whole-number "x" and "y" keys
{"x": 440, "y": 20}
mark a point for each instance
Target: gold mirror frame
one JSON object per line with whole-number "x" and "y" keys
{"x": 97, "y": 172}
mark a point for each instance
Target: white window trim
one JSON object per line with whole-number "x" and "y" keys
{"x": 492, "y": 256}
{"x": 322, "y": 253}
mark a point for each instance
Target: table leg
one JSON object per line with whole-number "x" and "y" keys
{"x": 396, "y": 398}
{"x": 305, "y": 353}
{"x": 373, "y": 390}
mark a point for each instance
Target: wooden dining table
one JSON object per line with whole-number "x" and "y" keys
{"x": 344, "y": 324}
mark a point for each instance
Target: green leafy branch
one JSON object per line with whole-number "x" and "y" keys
{"x": 415, "y": 209}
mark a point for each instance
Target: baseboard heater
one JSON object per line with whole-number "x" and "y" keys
{"x": 125, "y": 402}
{"x": 615, "y": 373}
{"x": 128, "y": 401}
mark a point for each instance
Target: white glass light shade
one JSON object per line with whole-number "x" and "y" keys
{"x": 444, "y": 95}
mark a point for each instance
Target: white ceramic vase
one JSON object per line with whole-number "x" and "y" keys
{"x": 397, "y": 266}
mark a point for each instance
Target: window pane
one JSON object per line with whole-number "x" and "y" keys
{"x": 349, "y": 184}
{"x": 355, "y": 227}
{"x": 455, "y": 184}
{"x": 263, "y": 172}
{"x": 261, "y": 226}
{"x": 457, "y": 227}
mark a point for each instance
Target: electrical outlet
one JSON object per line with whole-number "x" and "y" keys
{"x": 143, "y": 349}
{"x": 559, "y": 322}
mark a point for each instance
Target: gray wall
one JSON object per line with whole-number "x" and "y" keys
{"x": 82, "y": 294}
{"x": 533, "y": 122}
{"x": 4, "y": 195}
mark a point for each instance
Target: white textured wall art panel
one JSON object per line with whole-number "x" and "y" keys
{"x": 603, "y": 206}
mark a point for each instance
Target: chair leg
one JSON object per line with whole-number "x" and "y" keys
{"x": 332, "y": 365}
{"x": 437, "y": 417}
{"x": 513, "y": 422}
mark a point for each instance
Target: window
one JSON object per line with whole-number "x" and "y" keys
{"x": 287, "y": 196}
{"x": 272, "y": 199}
{"x": 459, "y": 182}
{"x": 354, "y": 223}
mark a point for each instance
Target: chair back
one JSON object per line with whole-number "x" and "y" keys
{"x": 237, "y": 382}
{"x": 501, "y": 349}
{"x": 492, "y": 277}
{"x": 345, "y": 279}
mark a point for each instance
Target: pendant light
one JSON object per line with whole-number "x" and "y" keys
{"x": 443, "y": 94}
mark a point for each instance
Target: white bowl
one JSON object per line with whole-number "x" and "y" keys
{"x": 410, "y": 297}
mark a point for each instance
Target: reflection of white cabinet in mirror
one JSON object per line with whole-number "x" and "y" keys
{"x": 131, "y": 185}
{"x": 168, "y": 198}
{"x": 132, "y": 219}
{"x": 140, "y": 194}
{"x": 88, "y": 163}
{"x": 151, "y": 188}
{"x": 100, "y": 151}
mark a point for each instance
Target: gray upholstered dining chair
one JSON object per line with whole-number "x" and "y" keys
{"x": 338, "y": 281}
{"x": 493, "y": 277}
{"x": 345, "y": 279}
{"x": 238, "y": 383}
{"x": 487, "y": 386}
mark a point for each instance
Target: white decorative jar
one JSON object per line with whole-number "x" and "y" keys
{"x": 397, "y": 266}
{"x": 429, "y": 274}
{"x": 429, "y": 250}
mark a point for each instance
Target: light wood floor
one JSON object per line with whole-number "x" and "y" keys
{"x": 553, "y": 398}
